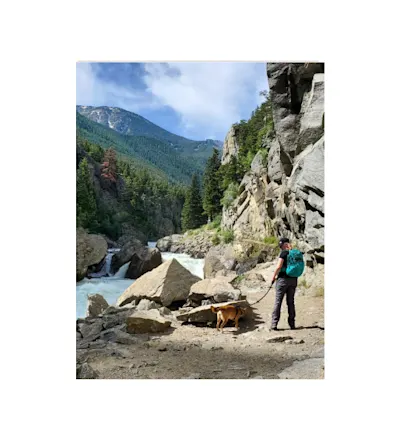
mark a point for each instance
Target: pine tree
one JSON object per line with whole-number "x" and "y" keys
{"x": 192, "y": 213}
{"x": 86, "y": 201}
{"x": 212, "y": 190}
{"x": 109, "y": 166}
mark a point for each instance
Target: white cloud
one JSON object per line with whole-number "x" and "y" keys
{"x": 209, "y": 97}
{"x": 93, "y": 91}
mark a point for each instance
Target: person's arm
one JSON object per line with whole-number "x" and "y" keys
{"x": 278, "y": 268}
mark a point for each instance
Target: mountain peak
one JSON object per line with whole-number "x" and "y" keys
{"x": 132, "y": 124}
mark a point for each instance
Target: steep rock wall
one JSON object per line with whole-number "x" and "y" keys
{"x": 284, "y": 195}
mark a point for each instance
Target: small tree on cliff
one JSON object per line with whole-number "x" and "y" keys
{"x": 211, "y": 186}
{"x": 86, "y": 201}
{"x": 192, "y": 213}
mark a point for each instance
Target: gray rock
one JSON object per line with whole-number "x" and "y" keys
{"x": 150, "y": 321}
{"x": 312, "y": 109}
{"x": 230, "y": 146}
{"x": 96, "y": 305}
{"x": 168, "y": 283}
{"x": 123, "y": 256}
{"x": 147, "y": 305}
{"x": 90, "y": 250}
{"x": 216, "y": 289}
{"x": 90, "y": 329}
{"x": 117, "y": 319}
{"x": 164, "y": 311}
{"x": 204, "y": 314}
{"x": 85, "y": 371}
{"x": 308, "y": 170}
{"x": 227, "y": 295}
{"x": 166, "y": 243}
{"x": 143, "y": 261}
{"x": 275, "y": 168}
{"x": 120, "y": 337}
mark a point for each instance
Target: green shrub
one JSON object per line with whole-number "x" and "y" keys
{"x": 216, "y": 239}
{"x": 238, "y": 279}
{"x": 230, "y": 195}
{"x": 264, "y": 155}
{"x": 228, "y": 236}
{"x": 215, "y": 223}
{"x": 271, "y": 240}
{"x": 320, "y": 292}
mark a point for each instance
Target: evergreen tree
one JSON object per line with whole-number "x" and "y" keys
{"x": 192, "y": 213}
{"x": 228, "y": 173}
{"x": 212, "y": 189}
{"x": 109, "y": 166}
{"x": 86, "y": 201}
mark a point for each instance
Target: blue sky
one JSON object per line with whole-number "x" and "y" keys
{"x": 197, "y": 100}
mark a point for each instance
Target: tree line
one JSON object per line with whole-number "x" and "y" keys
{"x": 155, "y": 206}
{"x": 113, "y": 193}
{"x": 220, "y": 182}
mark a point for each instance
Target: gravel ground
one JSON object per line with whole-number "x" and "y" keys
{"x": 192, "y": 352}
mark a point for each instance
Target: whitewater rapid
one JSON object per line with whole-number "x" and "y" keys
{"x": 112, "y": 286}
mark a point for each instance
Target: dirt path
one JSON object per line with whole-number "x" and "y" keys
{"x": 188, "y": 351}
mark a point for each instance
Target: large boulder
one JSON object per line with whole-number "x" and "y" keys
{"x": 216, "y": 289}
{"x": 203, "y": 314}
{"x": 143, "y": 261}
{"x": 96, "y": 305}
{"x": 90, "y": 251}
{"x": 147, "y": 321}
{"x": 131, "y": 247}
{"x": 166, "y": 243}
{"x": 165, "y": 284}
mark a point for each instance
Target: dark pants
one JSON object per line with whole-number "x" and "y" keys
{"x": 286, "y": 285}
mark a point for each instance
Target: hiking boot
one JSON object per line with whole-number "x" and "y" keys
{"x": 275, "y": 328}
{"x": 293, "y": 327}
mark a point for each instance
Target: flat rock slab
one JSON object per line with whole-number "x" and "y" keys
{"x": 147, "y": 321}
{"x": 217, "y": 288}
{"x": 204, "y": 313}
{"x": 304, "y": 369}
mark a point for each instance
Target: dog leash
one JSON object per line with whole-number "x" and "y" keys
{"x": 258, "y": 301}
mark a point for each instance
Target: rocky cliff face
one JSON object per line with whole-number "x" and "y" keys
{"x": 230, "y": 146}
{"x": 284, "y": 194}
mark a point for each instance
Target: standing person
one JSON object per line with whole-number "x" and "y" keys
{"x": 290, "y": 266}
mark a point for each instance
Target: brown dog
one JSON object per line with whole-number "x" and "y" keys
{"x": 226, "y": 313}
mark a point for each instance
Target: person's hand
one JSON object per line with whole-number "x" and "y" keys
{"x": 273, "y": 281}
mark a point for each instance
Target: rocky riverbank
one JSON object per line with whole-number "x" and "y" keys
{"x": 162, "y": 327}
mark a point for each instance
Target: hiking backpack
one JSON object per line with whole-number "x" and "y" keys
{"x": 295, "y": 263}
